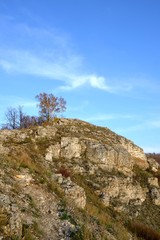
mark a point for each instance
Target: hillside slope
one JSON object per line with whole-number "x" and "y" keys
{"x": 74, "y": 180}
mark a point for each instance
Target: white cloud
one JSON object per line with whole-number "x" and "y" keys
{"x": 62, "y": 69}
{"x": 47, "y": 53}
{"x": 99, "y": 82}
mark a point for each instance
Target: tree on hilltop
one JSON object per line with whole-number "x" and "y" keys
{"x": 14, "y": 118}
{"x": 50, "y": 105}
{"x": 17, "y": 119}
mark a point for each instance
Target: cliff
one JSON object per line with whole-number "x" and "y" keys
{"x": 75, "y": 180}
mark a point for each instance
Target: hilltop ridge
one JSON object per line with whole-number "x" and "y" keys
{"x": 74, "y": 180}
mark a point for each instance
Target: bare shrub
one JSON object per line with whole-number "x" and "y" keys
{"x": 65, "y": 172}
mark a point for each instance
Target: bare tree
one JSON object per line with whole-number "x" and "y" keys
{"x": 50, "y": 105}
{"x": 29, "y": 121}
{"x": 21, "y": 117}
{"x": 12, "y": 118}
{"x": 61, "y": 105}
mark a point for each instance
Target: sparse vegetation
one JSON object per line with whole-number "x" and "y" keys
{"x": 31, "y": 232}
{"x": 155, "y": 156}
{"x": 49, "y": 105}
{"x": 141, "y": 175}
{"x": 27, "y": 158}
{"x": 144, "y": 231}
{"x": 4, "y": 219}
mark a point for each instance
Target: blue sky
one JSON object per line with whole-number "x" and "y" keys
{"x": 102, "y": 56}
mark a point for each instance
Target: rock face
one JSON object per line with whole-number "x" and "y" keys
{"x": 77, "y": 195}
{"x": 70, "y": 147}
{"x": 101, "y": 154}
{"x": 134, "y": 150}
{"x": 124, "y": 191}
{"x": 53, "y": 152}
{"x": 105, "y": 144}
{"x": 153, "y": 165}
{"x": 53, "y": 176}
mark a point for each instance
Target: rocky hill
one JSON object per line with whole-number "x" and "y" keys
{"x": 74, "y": 180}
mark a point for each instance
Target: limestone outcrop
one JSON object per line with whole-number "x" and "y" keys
{"x": 123, "y": 190}
{"x": 73, "y": 180}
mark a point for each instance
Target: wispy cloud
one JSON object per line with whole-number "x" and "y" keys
{"x": 64, "y": 69}
{"x": 47, "y": 53}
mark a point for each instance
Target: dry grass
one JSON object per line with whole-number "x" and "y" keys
{"x": 97, "y": 219}
{"x": 3, "y": 219}
{"x": 156, "y": 156}
{"x": 31, "y": 233}
{"x": 54, "y": 187}
{"x": 144, "y": 231}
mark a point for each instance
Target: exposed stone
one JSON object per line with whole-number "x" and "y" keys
{"x": 153, "y": 181}
{"x": 78, "y": 169}
{"x": 155, "y": 194}
{"x": 58, "y": 177}
{"x": 47, "y": 132}
{"x": 4, "y": 202}
{"x": 45, "y": 206}
{"x": 70, "y": 147}
{"x": 134, "y": 150}
{"x": 153, "y": 164}
{"x": 109, "y": 158}
{"x": 15, "y": 221}
{"x": 67, "y": 230}
{"x": 14, "y": 226}
{"x": 77, "y": 195}
{"x": 24, "y": 179}
{"x": 95, "y": 160}
{"x": 124, "y": 190}
{"x": 53, "y": 152}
